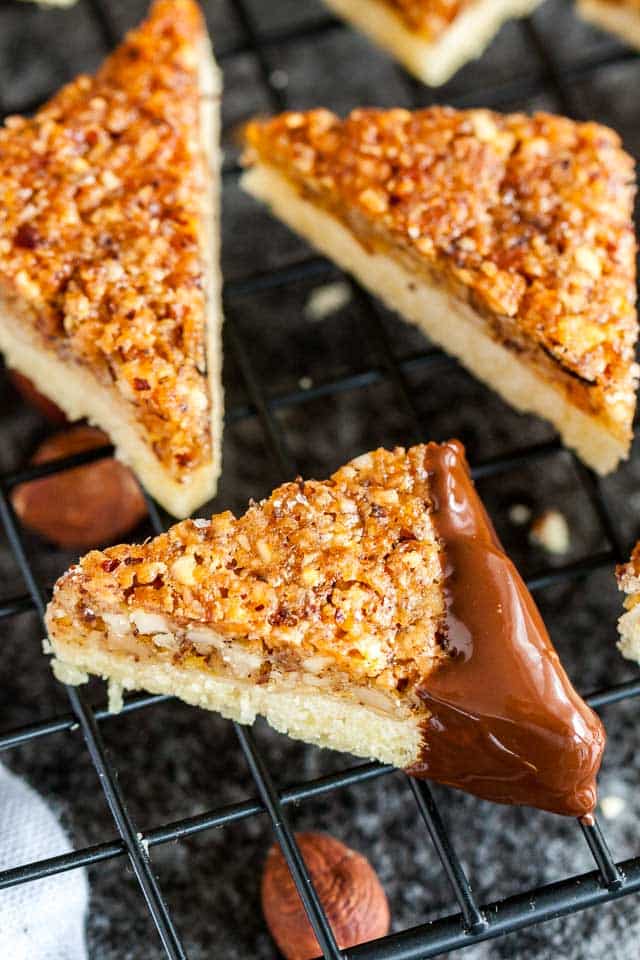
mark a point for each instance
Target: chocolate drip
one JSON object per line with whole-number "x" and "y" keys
{"x": 505, "y": 722}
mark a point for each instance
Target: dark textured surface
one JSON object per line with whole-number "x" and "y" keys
{"x": 173, "y": 761}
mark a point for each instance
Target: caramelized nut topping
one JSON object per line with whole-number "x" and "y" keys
{"x": 317, "y": 567}
{"x": 428, "y": 17}
{"x": 528, "y": 217}
{"x": 101, "y": 228}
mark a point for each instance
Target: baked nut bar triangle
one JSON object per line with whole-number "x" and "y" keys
{"x": 109, "y": 280}
{"x": 621, "y": 17}
{"x": 431, "y": 38}
{"x": 374, "y": 613}
{"x": 508, "y": 239}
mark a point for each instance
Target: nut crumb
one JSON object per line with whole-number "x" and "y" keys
{"x": 519, "y": 514}
{"x": 551, "y": 532}
{"x": 327, "y": 299}
{"x": 279, "y": 79}
{"x": 612, "y": 806}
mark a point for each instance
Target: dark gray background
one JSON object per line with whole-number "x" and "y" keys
{"x": 173, "y": 761}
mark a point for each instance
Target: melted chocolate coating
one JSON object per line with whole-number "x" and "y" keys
{"x": 505, "y": 722}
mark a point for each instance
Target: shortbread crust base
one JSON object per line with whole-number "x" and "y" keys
{"x": 629, "y": 630}
{"x": 301, "y": 712}
{"x": 79, "y": 394}
{"x": 447, "y": 320}
{"x": 432, "y": 62}
{"x": 622, "y": 20}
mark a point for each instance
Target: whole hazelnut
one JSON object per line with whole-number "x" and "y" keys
{"x": 348, "y": 888}
{"x": 85, "y": 506}
{"x": 32, "y": 395}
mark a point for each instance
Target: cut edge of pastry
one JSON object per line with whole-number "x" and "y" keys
{"x": 629, "y": 623}
{"x": 617, "y": 18}
{"x": 433, "y": 309}
{"x": 80, "y": 394}
{"x": 304, "y": 712}
{"x": 210, "y": 93}
{"x": 433, "y": 62}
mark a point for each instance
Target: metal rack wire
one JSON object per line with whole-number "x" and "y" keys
{"x": 474, "y": 922}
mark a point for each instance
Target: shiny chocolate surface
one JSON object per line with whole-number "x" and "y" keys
{"x": 506, "y": 723}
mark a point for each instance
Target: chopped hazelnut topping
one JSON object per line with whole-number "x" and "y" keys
{"x": 101, "y": 228}
{"x": 428, "y": 17}
{"x": 317, "y": 575}
{"x": 530, "y": 218}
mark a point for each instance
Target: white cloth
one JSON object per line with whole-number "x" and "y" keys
{"x": 43, "y": 919}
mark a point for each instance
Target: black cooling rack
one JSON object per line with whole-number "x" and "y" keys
{"x": 474, "y": 921}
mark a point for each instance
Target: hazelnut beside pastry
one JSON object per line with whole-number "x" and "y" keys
{"x": 348, "y": 888}
{"x": 29, "y": 392}
{"x": 83, "y": 507}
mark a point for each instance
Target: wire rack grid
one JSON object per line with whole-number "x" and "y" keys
{"x": 474, "y": 921}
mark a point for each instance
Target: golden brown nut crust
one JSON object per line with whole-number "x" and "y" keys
{"x": 428, "y": 17}
{"x": 101, "y": 228}
{"x": 529, "y": 216}
{"x": 347, "y": 569}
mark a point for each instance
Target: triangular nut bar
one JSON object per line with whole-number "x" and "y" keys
{"x": 431, "y": 38}
{"x": 508, "y": 239}
{"x": 109, "y": 281}
{"x": 374, "y": 613}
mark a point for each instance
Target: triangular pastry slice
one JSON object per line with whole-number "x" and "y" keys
{"x": 374, "y": 613}
{"x": 507, "y": 239}
{"x": 109, "y": 279}
{"x": 431, "y": 38}
{"x": 621, "y": 17}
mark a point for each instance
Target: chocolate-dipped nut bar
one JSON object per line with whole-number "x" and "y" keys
{"x": 374, "y": 613}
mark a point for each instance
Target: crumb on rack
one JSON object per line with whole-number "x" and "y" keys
{"x": 550, "y": 531}
{"x": 327, "y": 299}
{"x": 612, "y": 806}
{"x": 519, "y": 514}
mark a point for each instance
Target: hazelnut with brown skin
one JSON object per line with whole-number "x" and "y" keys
{"x": 348, "y": 888}
{"x": 29, "y": 392}
{"x": 83, "y": 507}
